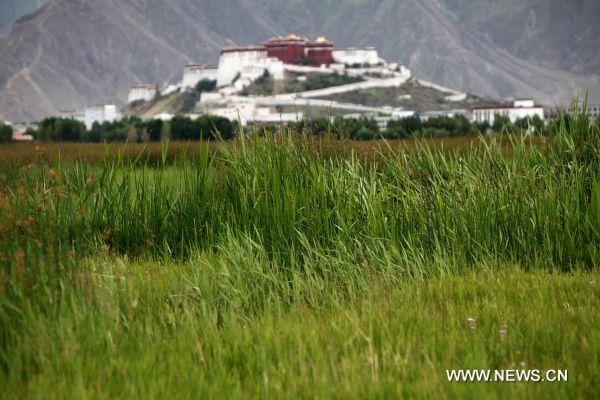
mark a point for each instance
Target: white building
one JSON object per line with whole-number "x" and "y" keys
{"x": 352, "y": 56}
{"x": 592, "y": 110}
{"x": 248, "y": 64}
{"x": 142, "y": 92}
{"x": 249, "y": 113}
{"x": 400, "y": 114}
{"x": 427, "y": 115}
{"x": 171, "y": 89}
{"x": 194, "y": 73}
{"x": 382, "y": 121}
{"x": 521, "y": 108}
{"x": 233, "y": 60}
{"x": 100, "y": 114}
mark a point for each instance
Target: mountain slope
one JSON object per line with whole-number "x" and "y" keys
{"x": 12, "y": 10}
{"x": 74, "y": 52}
{"x": 554, "y": 33}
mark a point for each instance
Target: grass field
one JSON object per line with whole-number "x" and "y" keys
{"x": 51, "y": 153}
{"x": 282, "y": 268}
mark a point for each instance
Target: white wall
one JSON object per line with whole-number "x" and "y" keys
{"x": 146, "y": 93}
{"x": 194, "y": 74}
{"x": 518, "y": 113}
{"x": 351, "y": 56}
{"x": 524, "y": 103}
{"x": 100, "y": 114}
{"x": 232, "y": 62}
{"x": 513, "y": 113}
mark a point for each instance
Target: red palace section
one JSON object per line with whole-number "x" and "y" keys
{"x": 299, "y": 50}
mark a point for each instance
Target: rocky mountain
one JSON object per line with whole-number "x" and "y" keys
{"x": 75, "y": 52}
{"x": 556, "y": 33}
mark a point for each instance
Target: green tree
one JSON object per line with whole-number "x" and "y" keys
{"x": 501, "y": 123}
{"x": 182, "y": 128}
{"x": 211, "y": 126}
{"x": 206, "y": 85}
{"x": 61, "y": 130}
{"x": 45, "y": 130}
{"x": 69, "y": 130}
{"x": 96, "y": 134}
{"x": 154, "y": 128}
{"x": 6, "y": 132}
{"x": 412, "y": 125}
{"x": 190, "y": 98}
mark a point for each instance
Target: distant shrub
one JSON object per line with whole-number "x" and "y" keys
{"x": 365, "y": 133}
{"x": 207, "y": 127}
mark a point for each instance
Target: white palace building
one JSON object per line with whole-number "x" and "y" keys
{"x": 142, "y": 92}
{"x": 194, "y": 73}
{"x": 521, "y": 108}
{"x": 89, "y": 115}
{"x": 240, "y": 66}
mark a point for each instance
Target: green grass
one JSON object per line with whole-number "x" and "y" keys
{"x": 267, "y": 86}
{"x": 213, "y": 328}
{"x": 276, "y": 269}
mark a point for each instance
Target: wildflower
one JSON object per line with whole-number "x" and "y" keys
{"x": 472, "y": 322}
{"x": 503, "y": 330}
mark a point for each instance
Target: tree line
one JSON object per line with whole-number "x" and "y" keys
{"x": 365, "y": 128}
{"x": 134, "y": 129}
{"x": 209, "y": 127}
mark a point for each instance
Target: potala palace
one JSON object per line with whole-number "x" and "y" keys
{"x": 238, "y": 67}
{"x": 297, "y": 56}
